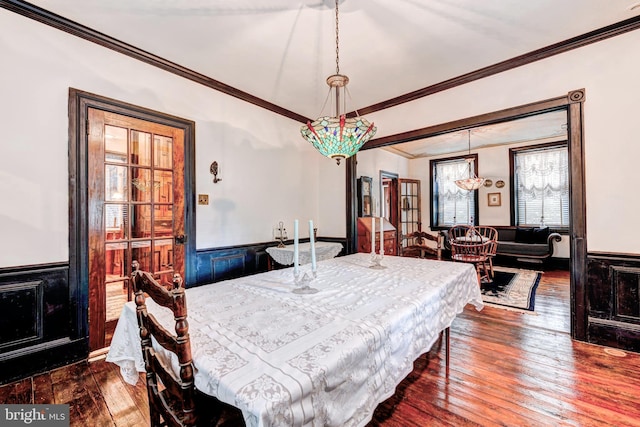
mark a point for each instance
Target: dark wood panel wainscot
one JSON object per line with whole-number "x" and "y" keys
{"x": 39, "y": 327}
{"x": 613, "y": 300}
{"x": 216, "y": 264}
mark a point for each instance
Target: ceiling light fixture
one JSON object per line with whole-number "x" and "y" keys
{"x": 338, "y": 137}
{"x": 472, "y": 182}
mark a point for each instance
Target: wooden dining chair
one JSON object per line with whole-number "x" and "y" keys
{"x": 419, "y": 247}
{"x": 173, "y": 399}
{"x": 489, "y": 234}
{"x": 467, "y": 246}
{"x": 458, "y": 232}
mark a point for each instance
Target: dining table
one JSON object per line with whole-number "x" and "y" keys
{"x": 313, "y": 359}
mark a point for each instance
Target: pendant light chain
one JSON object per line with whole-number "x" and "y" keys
{"x": 337, "y": 41}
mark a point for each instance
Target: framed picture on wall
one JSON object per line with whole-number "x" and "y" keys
{"x": 494, "y": 199}
{"x": 365, "y": 207}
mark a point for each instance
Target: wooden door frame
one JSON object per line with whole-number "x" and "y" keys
{"x": 393, "y": 190}
{"x": 394, "y": 213}
{"x": 573, "y": 104}
{"x": 79, "y": 103}
{"x": 401, "y": 181}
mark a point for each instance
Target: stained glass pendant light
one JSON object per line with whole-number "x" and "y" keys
{"x": 338, "y": 137}
{"x": 472, "y": 182}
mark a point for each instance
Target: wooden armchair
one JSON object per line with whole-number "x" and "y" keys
{"x": 489, "y": 234}
{"x": 419, "y": 247}
{"x": 468, "y": 246}
{"x": 459, "y": 232}
{"x": 173, "y": 399}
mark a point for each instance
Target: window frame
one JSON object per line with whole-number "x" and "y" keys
{"x": 433, "y": 217}
{"x": 512, "y": 177}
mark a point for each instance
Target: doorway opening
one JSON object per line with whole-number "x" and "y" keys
{"x": 572, "y": 104}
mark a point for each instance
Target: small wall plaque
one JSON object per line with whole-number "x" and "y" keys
{"x": 494, "y": 199}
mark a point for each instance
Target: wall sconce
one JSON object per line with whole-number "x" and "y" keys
{"x": 214, "y": 171}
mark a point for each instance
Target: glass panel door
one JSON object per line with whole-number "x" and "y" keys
{"x": 409, "y": 210}
{"x": 134, "y": 213}
{"x": 133, "y": 199}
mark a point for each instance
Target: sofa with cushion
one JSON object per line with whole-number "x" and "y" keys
{"x": 528, "y": 243}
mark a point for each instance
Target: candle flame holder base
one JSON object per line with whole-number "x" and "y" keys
{"x": 302, "y": 283}
{"x": 281, "y": 235}
{"x": 376, "y": 261}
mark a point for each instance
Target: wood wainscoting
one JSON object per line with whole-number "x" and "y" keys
{"x": 216, "y": 264}
{"x": 613, "y": 300}
{"x": 39, "y": 322}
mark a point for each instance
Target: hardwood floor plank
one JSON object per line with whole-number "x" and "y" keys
{"x": 74, "y": 385}
{"x": 121, "y": 406}
{"x": 17, "y": 392}
{"x": 43, "y": 389}
{"x": 138, "y": 393}
{"x": 555, "y": 404}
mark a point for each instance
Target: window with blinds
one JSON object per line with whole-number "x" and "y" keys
{"x": 450, "y": 204}
{"x": 541, "y": 186}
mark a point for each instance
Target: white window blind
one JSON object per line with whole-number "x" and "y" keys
{"x": 452, "y": 204}
{"x": 542, "y": 186}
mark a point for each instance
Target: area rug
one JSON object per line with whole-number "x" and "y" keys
{"x": 512, "y": 289}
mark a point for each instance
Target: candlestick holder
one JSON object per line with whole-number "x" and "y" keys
{"x": 281, "y": 234}
{"x": 376, "y": 260}
{"x": 302, "y": 283}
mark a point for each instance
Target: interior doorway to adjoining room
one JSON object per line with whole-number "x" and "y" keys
{"x": 572, "y": 105}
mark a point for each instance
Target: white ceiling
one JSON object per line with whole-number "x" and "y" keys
{"x": 541, "y": 128}
{"x": 283, "y": 50}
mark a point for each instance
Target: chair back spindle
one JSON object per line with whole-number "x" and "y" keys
{"x": 171, "y": 396}
{"x": 173, "y": 399}
{"x": 489, "y": 234}
{"x": 419, "y": 248}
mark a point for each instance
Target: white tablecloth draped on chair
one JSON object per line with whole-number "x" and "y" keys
{"x": 324, "y": 359}
{"x": 324, "y": 251}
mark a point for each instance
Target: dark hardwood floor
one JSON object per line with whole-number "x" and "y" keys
{"x": 507, "y": 369}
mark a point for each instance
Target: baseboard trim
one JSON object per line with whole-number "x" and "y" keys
{"x": 42, "y": 358}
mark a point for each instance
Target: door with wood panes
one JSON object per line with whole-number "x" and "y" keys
{"x": 135, "y": 211}
{"x": 408, "y": 210}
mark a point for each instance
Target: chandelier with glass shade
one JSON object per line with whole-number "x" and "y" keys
{"x": 338, "y": 137}
{"x": 472, "y": 182}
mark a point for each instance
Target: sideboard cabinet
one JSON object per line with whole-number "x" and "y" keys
{"x": 364, "y": 236}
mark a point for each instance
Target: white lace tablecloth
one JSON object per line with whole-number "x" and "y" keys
{"x": 324, "y": 251}
{"x": 324, "y": 359}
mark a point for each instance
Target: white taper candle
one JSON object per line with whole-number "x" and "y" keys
{"x": 312, "y": 240}
{"x": 381, "y": 235}
{"x": 296, "y": 249}
{"x": 373, "y": 234}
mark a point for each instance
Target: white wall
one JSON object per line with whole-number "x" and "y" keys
{"x": 608, "y": 71}
{"x": 269, "y": 173}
